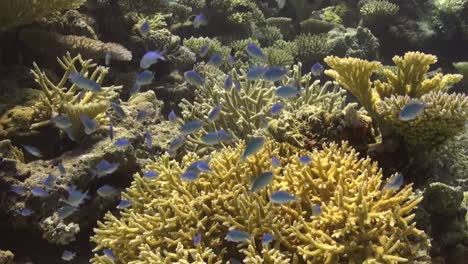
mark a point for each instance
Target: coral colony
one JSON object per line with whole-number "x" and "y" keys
{"x": 233, "y": 131}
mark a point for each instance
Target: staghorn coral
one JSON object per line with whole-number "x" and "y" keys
{"x": 238, "y": 15}
{"x": 376, "y": 11}
{"x": 44, "y": 42}
{"x": 215, "y": 46}
{"x": 246, "y": 111}
{"x": 312, "y": 48}
{"x": 15, "y": 13}
{"x": 359, "y": 223}
{"x": 69, "y": 100}
{"x": 449, "y": 6}
{"x": 444, "y": 117}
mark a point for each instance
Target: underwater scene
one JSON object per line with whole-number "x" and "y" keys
{"x": 233, "y": 131}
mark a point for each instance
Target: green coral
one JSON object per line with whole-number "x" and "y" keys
{"x": 246, "y": 111}
{"x": 214, "y": 46}
{"x": 285, "y": 25}
{"x": 450, "y": 6}
{"x": 376, "y": 11}
{"x": 15, "y": 13}
{"x": 312, "y": 48}
{"x": 268, "y": 35}
{"x": 71, "y": 101}
{"x": 315, "y": 26}
{"x": 359, "y": 222}
{"x": 462, "y": 68}
{"x": 237, "y": 14}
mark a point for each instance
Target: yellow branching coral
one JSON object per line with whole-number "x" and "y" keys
{"x": 14, "y": 13}
{"x": 360, "y": 222}
{"x": 70, "y": 100}
{"x": 444, "y": 117}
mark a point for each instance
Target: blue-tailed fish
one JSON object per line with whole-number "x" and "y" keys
{"x": 108, "y": 58}
{"x": 191, "y": 127}
{"x": 281, "y": 197}
{"x": 194, "y": 78}
{"x": 75, "y": 197}
{"x": 200, "y": 166}
{"x": 176, "y": 143}
{"x": 286, "y": 91}
{"x": 135, "y": 88}
{"x": 274, "y": 74}
{"x": 261, "y": 181}
{"x": 121, "y": 143}
{"x": 107, "y": 191}
{"x": 39, "y": 192}
{"x": 267, "y": 239}
{"x": 84, "y": 83}
{"x": 305, "y": 159}
{"x": 124, "y": 204}
{"x": 66, "y": 211}
{"x": 255, "y": 73}
{"x": 197, "y": 239}
{"x": 172, "y": 117}
{"x": 150, "y": 58}
{"x": 228, "y": 82}
{"x": 252, "y": 147}
{"x": 276, "y": 108}
{"x": 149, "y": 140}
{"x": 210, "y": 138}
{"x": 317, "y": 69}
{"x": 231, "y": 61}
{"x": 237, "y": 236}
{"x": 189, "y": 175}
{"x": 32, "y": 150}
{"x": 254, "y": 52}
{"x": 145, "y": 28}
{"x": 216, "y": 60}
{"x": 105, "y": 167}
{"x": 25, "y": 212}
{"x": 118, "y": 110}
{"x": 275, "y": 162}
{"x": 90, "y": 125}
{"x": 200, "y": 20}
{"x": 150, "y": 174}
{"x": 145, "y": 77}
{"x": 394, "y": 182}
{"x": 412, "y": 110}
{"x": 316, "y": 210}
{"x": 68, "y": 255}
{"x": 61, "y": 121}
{"x": 223, "y": 135}
{"x": 19, "y": 190}
{"x": 108, "y": 253}
{"x": 111, "y": 131}
{"x": 214, "y": 113}
{"x": 49, "y": 182}
{"x": 61, "y": 168}
{"x": 204, "y": 50}
{"x": 142, "y": 116}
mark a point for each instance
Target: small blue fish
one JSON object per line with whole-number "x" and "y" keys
{"x": 276, "y": 108}
{"x": 32, "y": 150}
{"x": 107, "y": 191}
{"x": 118, "y": 110}
{"x": 69, "y": 132}
{"x": 61, "y": 121}
{"x": 124, "y": 204}
{"x": 200, "y": 20}
{"x": 108, "y": 253}
{"x": 228, "y": 83}
{"x": 274, "y": 74}
{"x": 145, "y": 28}
{"x": 216, "y": 60}
{"x": 122, "y": 143}
{"x": 214, "y": 113}
{"x": 237, "y": 236}
{"x": 255, "y": 73}
{"x": 210, "y": 138}
{"x": 172, "y": 117}
{"x": 254, "y": 52}
{"x": 61, "y": 168}
{"x": 237, "y": 85}
{"x": 25, "y": 212}
{"x": 49, "y": 182}
{"x": 176, "y": 143}
{"x": 142, "y": 116}
{"x": 199, "y": 166}
{"x": 104, "y": 168}
{"x": 191, "y": 127}
{"x": 305, "y": 159}
{"x": 189, "y": 176}
{"x": 316, "y": 210}
{"x": 150, "y": 58}
{"x": 145, "y": 77}
{"x": 150, "y": 174}
{"x": 68, "y": 255}
{"x": 261, "y": 181}
{"x": 267, "y": 239}
{"x": 194, "y": 78}
{"x": 317, "y": 69}
{"x": 66, "y": 211}
{"x": 39, "y": 192}
{"x": 412, "y": 110}
{"x": 135, "y": 88}
{"x": 90, "y": 125}
{"x": 204, "y": 50}
{"x": 275, "y": 162}
{"x": 394, "y": 182}
{"x": 252, "y": 147}
{"x": 149, "y": 140}
{"x": 231, "y": 61}
{"x": 75, "y": 197}
{"x": 281, "y": 197}
{"x": 286, "y": 91}
{"x": 84, "y": 83}
{"x": 19, "y": 190}
{"x": 197, "y": 239}
{"x": 108, "y": 58}
{"x": 111, "y": 131}
{"x": 223, "y": 135}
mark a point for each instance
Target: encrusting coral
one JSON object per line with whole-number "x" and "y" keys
{"x": 70, "y": 100}
{"x": 15, "y": 13}
{"x": 359, "y": 221}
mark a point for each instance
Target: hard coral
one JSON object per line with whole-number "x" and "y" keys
{"x": 359, "y": 223}
{"x": 378, "y": 10}
{"x": 15, "y": 13}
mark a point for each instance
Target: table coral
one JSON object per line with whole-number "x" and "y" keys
{"x": 15, "y": 13}
{"x": 359, "y": 223}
